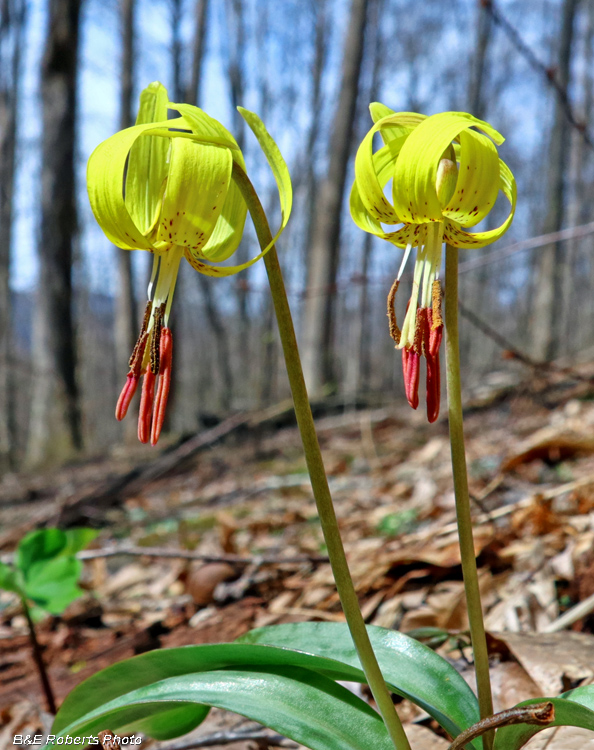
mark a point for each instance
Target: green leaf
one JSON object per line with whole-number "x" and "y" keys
{"x": 572, "y": 709}
{"x": 39, "y": 546}
{"x": 300, "y": 704}
{"x": 172, "y": 722}
{"x": 78, "y": 539}
{"x": 9, "y": 579}
{"x": 410, "y": 668}
{"x": 142, "y": 670}
{"x": 52, "y": 584}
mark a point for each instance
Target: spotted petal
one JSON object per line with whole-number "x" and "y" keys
{"x": 414, "y": 186}
{"x": 396, "y": 129}
{"x": 285, "y": 190}
{"x": 197, "y": 183}
{"x": 228, "y": 231}
{"x": 456, "y": 236}
{"x": 147, "y": 162}
{"x": 105, "y": 174}
{"x": 383, "y": 165}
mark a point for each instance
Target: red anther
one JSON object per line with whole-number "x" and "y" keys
{"x": 435, "y": 336}
{"x": 411, "y": 369}
{"x": 126, "y": 396}
{"x": 433, "y": 387}
{"x": 165, "y": 362}
{"x": 145, "y": 414}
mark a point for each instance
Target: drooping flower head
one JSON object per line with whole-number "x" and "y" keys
{"x": 446, "y": 176}
{"x": 166, "y": 186}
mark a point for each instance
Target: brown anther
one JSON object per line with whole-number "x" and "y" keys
{"x": 156, "y": 338}
{"x": 141, "y": 341}
{"x": 436, "y": 298}
{"x": 421, "y": 339}
{"x": 395, "y": 332}
{"x": 135, "y": 361}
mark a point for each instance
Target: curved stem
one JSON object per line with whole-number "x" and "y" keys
{"x": 540, "y": 714}
{"x": 317, "y": 473}
{"x": 467, "y": 553}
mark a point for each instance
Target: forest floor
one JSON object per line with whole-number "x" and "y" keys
{"x": 245, "y": 504}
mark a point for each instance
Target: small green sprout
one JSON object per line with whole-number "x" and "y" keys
{"x": 45, "y": 574}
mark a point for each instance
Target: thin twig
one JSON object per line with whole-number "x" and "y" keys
{"x": 538, "y": 713}
{"x": 182, "y": 554}
{"x": 549, "y": 74}
{"x": 572, "y": 615}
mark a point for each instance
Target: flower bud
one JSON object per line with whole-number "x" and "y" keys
{"x": 445, "y": 183}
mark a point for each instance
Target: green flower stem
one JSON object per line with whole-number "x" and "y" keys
{"x": 38, "y": 658}
{"x": 317, "y": 473}
{"x": 469, "y": 570}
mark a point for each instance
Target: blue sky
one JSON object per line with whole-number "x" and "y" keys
{"x": 522, "y": 111}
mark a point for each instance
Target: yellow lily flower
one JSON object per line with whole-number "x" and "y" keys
{"x": 166, "y": 186}
{"x": 446, "y": 175}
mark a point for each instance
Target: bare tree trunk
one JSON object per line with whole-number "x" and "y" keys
{"x": 484, "y": 25}
{"x": 574, "y": 315}
{"x": 320, "y": 55}
{"x": 360, "y": 356}
{"x": 547, "y": 325}
{"x": 176, "y": 48}
{"x": 319, "y": 311}
{"x": 11, "y": 32}
{"x": 477, "y": 287}
{"x": 126, "y": 322}
{"x": 234, "y": 14}
{"x": 195, "y": 85}
{"x": 55, "y": 427}
{"x": 213, "y": 316}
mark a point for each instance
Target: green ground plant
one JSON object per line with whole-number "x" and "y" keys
{"x": 45, "y": 575}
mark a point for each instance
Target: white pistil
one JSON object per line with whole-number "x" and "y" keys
{"x": 408, "y": 329}
{"x": 433, "y": 261}
{"x": 165, "y": 270}
{"x": 404, "y": 260}
{"x": 151, "y": 286}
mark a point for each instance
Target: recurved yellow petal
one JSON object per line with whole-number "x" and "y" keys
{"x": 414, "y": 192}
{"x": 147, "y": 163}
{"x": 383, "y": 164}
{"x": 478, "y": 180}
{"x": 395, "y": 130}
{"x": 105, "y": 172}
{"x": 197, "y": 184}
{"x": 283, "y": 181}
{"x": 115, "y": 213}
{"x": 456, "y": 236}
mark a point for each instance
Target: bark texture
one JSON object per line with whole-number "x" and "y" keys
{"x": 55, "y": 427}
{"x": 319, "y": 313}
{"x": 11, "y": 31}
{"x": 547, "y": 324}
{"x": 126, "y": 322}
